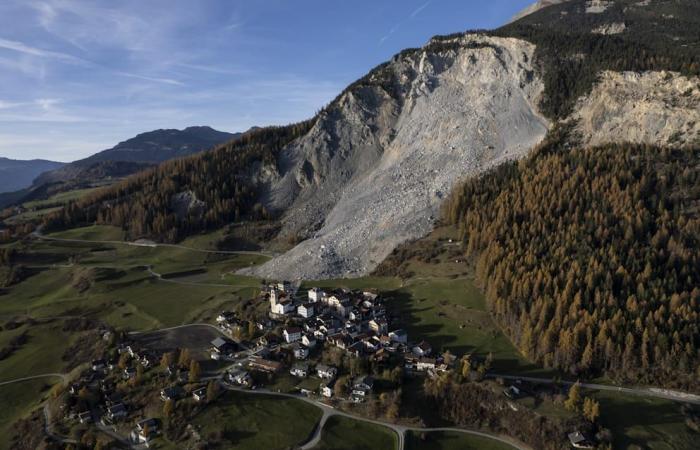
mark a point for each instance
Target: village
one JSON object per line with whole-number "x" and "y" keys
{"x": 340, "y": 348}
{"x": 304, "y": 328}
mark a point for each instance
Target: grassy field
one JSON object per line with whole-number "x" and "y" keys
{"x": 17, "y": 401}
{"x": 638, "y": 422}
{"x": 95, "y": 232}
{"x": 341, "y": 433}
{"x": 450, "y": 313}
{"x": 42, "y": 353}
{"x": 439, "y": 440}
{"x": 110, "y": 282}
{"x": 61, "y": 198}
{"x": 245, "y": 421}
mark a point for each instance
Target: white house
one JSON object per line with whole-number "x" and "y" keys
{"x": 422, "y": 349}
{"x": 425, "y": 364}
{"x": 225, "y": 317}
{"x": 326, "y": 372}
{"x": 316, "y": 295}
{"x": 98, "y": 365}
{"x": 399, "y": 336}
{"x": 292, "y": 334}
{"x": 300, "y": 352}
{"x": 300, "y": 370}
{"x": 282, "y": 308}
{"x": 306, "y": 310}
{"x": 239, "y": 377}
{"x": 379, "y": 326}
{"x": 354, "y": 314}
{"x": 335, "y": 301}
{"x": 327, "y": 388}
{"x": 144, "y": 431}
{"x": 308, "y": 340}
{"x": 199, "y": 394}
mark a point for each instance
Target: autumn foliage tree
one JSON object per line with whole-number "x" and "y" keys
{"x": 589, "y": 258}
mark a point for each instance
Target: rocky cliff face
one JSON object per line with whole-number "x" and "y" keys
{"x": 661, "y": 108}
{"x": 373, "y": 170}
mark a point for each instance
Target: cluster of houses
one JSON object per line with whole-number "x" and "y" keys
{"x": 355, "y": 322}
{"x": 110, "y": 406}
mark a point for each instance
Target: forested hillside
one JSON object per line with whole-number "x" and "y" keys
{"x": 589, "y": 258}
{"x": 200, "y": 192}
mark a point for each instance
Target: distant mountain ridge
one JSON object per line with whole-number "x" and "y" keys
{"x": 18, "y": 174}
{"x": 140, "y": 152}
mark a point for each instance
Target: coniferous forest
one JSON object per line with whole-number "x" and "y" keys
{"x": 589, "y": 259}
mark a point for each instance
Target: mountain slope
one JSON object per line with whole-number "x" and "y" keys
{"x": 371, "y": 169}
{"x": 17, "y": 174}
{"x": 138, "y": 153}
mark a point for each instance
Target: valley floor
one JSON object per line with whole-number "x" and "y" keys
{"x": 141, "y": 288}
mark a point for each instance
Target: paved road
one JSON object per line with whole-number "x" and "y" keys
{"x": 642, "y": 392}
{"x": 109, "y": 431}
{"x": 189, "y": 325}
{"x": 62, "y": 376}
{"x": 48, "y": 429}
{"x": 315, "y": 438}
{"x": 38, "y": 235}
{"x": 159, "y": 277}
{"x": 400, "y": 430}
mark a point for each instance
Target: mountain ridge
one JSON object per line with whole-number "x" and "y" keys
{"x": 143, "y": 150}
{"x": 18, "y": 174}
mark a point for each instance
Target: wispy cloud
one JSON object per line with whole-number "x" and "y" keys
{"x": 420, "y": 8}
{"x": 393, "y": 30}
{"x": 46, "y": 13}
{"x": 234, "y": 25}
{"x": 47, "y": 104}
{"x": 9, "y": 105}
{"x": 213, "y": 69}
{"x": 21, "y": 47}
{"x": 169, "y": 81}
{"x": 396, "y": 27}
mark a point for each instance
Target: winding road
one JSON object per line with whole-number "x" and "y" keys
{"x": 62, "y": 376}
{"x": 178, "y": 327}
{"x": 399, "y": 430}
{"x": 664, "y": 394}
{"x": 160, "y": 277}
{"x": 48, "y": 429}
{"x": 329, "y": 411}
{"x": 40, "y": 236}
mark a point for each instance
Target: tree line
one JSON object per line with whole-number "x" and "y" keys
{"x": 589, "y": 258}
{"x": 475, "y": 405}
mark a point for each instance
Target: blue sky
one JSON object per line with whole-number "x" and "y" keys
{"x": 78, "y": 76}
